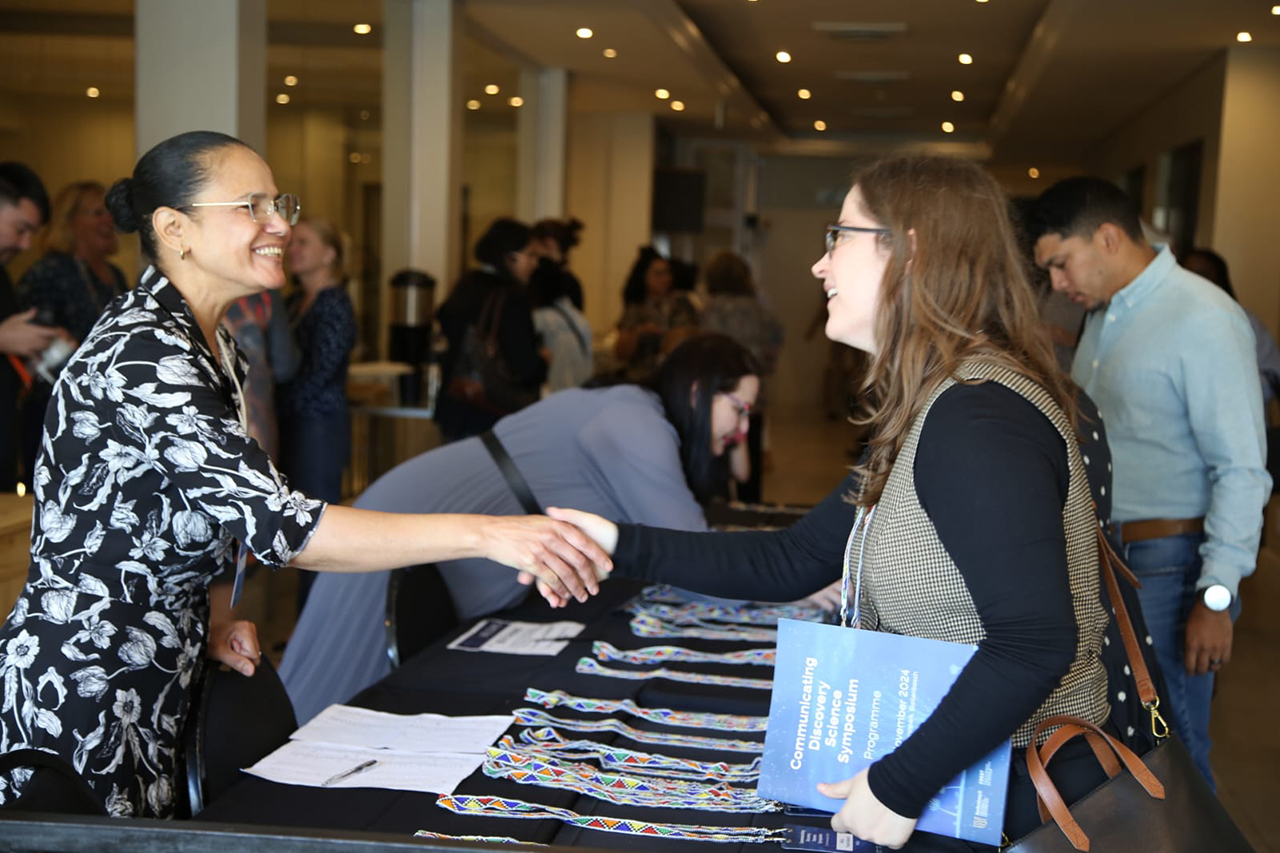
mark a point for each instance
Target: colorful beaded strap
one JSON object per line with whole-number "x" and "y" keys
{"x": 659, "y": 654}
{"x": 488, "y": 839}
{"x": 645, "y": 625}
{"x": 590, "y": 666}
{"x": 547, "y": 741}
{"x": 619, "y": 788}
{"x": 534, "y": 717}
{"x": 503, "y": 807}
{"x": 665, "y": 716}
{"x": 699, "y": 612}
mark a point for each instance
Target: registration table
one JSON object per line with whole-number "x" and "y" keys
{"x": 457, "y": 682}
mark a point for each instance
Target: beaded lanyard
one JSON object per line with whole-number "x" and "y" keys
{"x": 666, "y": 716}
{"x": 644, "y": 625}
{"x": 658, "y": 654}
{"x": 622, "y": 789}
{"x": 504, "y": 807}
{"x": 845, "y": 620}
{"x": 547, "y": 741}
{"x": 534, "y": 717}
{"x": 698, "y": 612}
{"x": 590, "y": 666}
{"x": 488, "y": 839}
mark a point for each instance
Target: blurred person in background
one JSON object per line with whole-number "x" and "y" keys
{"x": 651, "y": 309}
{"x": 734, "y": 308}
{"x": 69, "y": 286}
{"x": 553, "y": 238}
{"x": 315, "y": 426}
{"x": 491, "y": 303}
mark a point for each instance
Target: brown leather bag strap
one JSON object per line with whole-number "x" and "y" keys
{"x": 1109, "y": 563}
{"x": 1101, "y": 751}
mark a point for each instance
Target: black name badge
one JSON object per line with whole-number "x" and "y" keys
{"x": 825, "y": 841}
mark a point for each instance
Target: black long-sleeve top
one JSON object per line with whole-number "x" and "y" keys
{"x": 991, "y": 471}
{"x": 516, "y": 337}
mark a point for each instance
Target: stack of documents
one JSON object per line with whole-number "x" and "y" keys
{"x": 345, "y": 747}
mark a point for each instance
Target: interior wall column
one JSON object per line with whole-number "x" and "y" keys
{"x": 542, "y": 132}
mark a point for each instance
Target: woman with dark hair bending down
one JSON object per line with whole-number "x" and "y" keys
{"x": 651, "y": 454}
{"x": 147, "y": 486}
{"x": 984, "y": 530}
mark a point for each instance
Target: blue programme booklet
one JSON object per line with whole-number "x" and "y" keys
{"x": 844, "y": 698}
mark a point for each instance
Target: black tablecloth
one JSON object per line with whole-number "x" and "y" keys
{"x": 443, "y": 681}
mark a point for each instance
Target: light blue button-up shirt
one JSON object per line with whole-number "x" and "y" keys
{"x": 1170, "y": 363}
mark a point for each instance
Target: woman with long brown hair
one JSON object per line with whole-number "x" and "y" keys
{"x": 979, "y": 521}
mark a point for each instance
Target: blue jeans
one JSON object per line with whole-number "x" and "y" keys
{"x": 1168, "y": 569}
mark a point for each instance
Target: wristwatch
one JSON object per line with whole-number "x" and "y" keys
{"x": 1217, "y": 597}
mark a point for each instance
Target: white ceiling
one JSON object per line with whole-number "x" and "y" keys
{"x": 1050, "y": 78}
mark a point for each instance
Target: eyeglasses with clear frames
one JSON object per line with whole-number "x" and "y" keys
{"x": 833, "y": 233}
{"x": 261, "y": 206}
{"x": 742, "y": 407}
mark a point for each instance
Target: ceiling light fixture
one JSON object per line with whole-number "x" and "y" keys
{"x": 948, "y": 127}
{"x": 661, "y": 94}
{"x": 1244, "y": 37}
{"x": 291, "y": 80}
{"x": 585, "y": 32}
{"x": 516, "y": 101}
{"x": 1033, "y": 172}
{"x": 957, "y": 95}
{"x": 678, "y": 106}
{"x": 1275, "y": 10}
{"x": 364, "y": 115}
{"x": 92, "y": 92}
{"x": 610, "y": 53}
{"x": 362, "y": 29}
{"x": 819, "y": 125}
{"x": 473, "y": 104}
{"x": 282, "y": 98}
{"x": 965, "y": 59}
{"x": 353, "y": 157}
{"x": 491, "y": 89}
{"x": 782, "y": 56}
{"x": 804, "y": 94}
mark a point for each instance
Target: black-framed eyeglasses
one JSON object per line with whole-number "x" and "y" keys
{"x": 833, "y": 231}
{"x": 262, "y": 206}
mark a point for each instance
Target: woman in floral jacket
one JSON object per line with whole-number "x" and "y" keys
{"x": 147, "y": 486}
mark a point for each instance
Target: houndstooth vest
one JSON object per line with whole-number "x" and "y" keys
{"x": 911, "y": 586}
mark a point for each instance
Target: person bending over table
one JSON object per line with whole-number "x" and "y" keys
{"x": 651, "y": 453}
{"x": 983, "y": 531}
{"x": 146, "y": 476}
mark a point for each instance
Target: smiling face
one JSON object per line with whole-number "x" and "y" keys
{"x": 729, "y": 413}
{"x": 93, "y": 234}
{"x": 852, "y": 274}
{"x": 225, "y": 242}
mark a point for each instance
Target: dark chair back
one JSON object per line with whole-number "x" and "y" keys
{"x": 419, "y": 611}
{"x": 234, "y": 722}
{"x": 54, "y": 787}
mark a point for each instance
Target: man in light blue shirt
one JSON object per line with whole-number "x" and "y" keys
{"x": 1169, "y": 360}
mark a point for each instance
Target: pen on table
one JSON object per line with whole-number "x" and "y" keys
{"x": 347, "y": 774}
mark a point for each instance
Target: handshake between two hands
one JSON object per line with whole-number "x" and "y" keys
{"x": 567, "y": 554}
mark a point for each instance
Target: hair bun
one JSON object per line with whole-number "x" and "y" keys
{"x": 119, "y": 202}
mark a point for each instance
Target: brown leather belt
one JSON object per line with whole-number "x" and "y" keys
{"x": 1155, "y": 528}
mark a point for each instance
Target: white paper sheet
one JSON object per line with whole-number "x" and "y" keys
{"x": 518, "y": 638}
{"x": 312, "y": 764}
{"x": 360, "y": 727}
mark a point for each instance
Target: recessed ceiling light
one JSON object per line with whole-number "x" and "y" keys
{"x": 1275, "y": 10}
{"x": 282, "y": 98}
{"x": 1033, "y": 172}
{"x": 353, "y": 157}
{"x": 804, "y": 94}
{"x": 782, "y": 56}
{"x": 473, "y": 104}
{"x": 678, "y": 106}
{"x": 92, "y": 92}
{"x": 516, "y": 101}
{"x": 819, "y": 125}
{"x": 362, "y": 29}
{"x": 291, "y": 80}
{"x": 364, "y": 115}
{"x": 661, "y": 94}
{"x": 948, "y": 127}
{"x": 982, "y": 1}
{"x": 585, "y": 32}
{"x": 491, "y": 89}
{"x": 965, "y": 59}
{"x": 957, "y": 95}
{"x": 1243, "y": 37}
{"x": 610, "y": 53}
